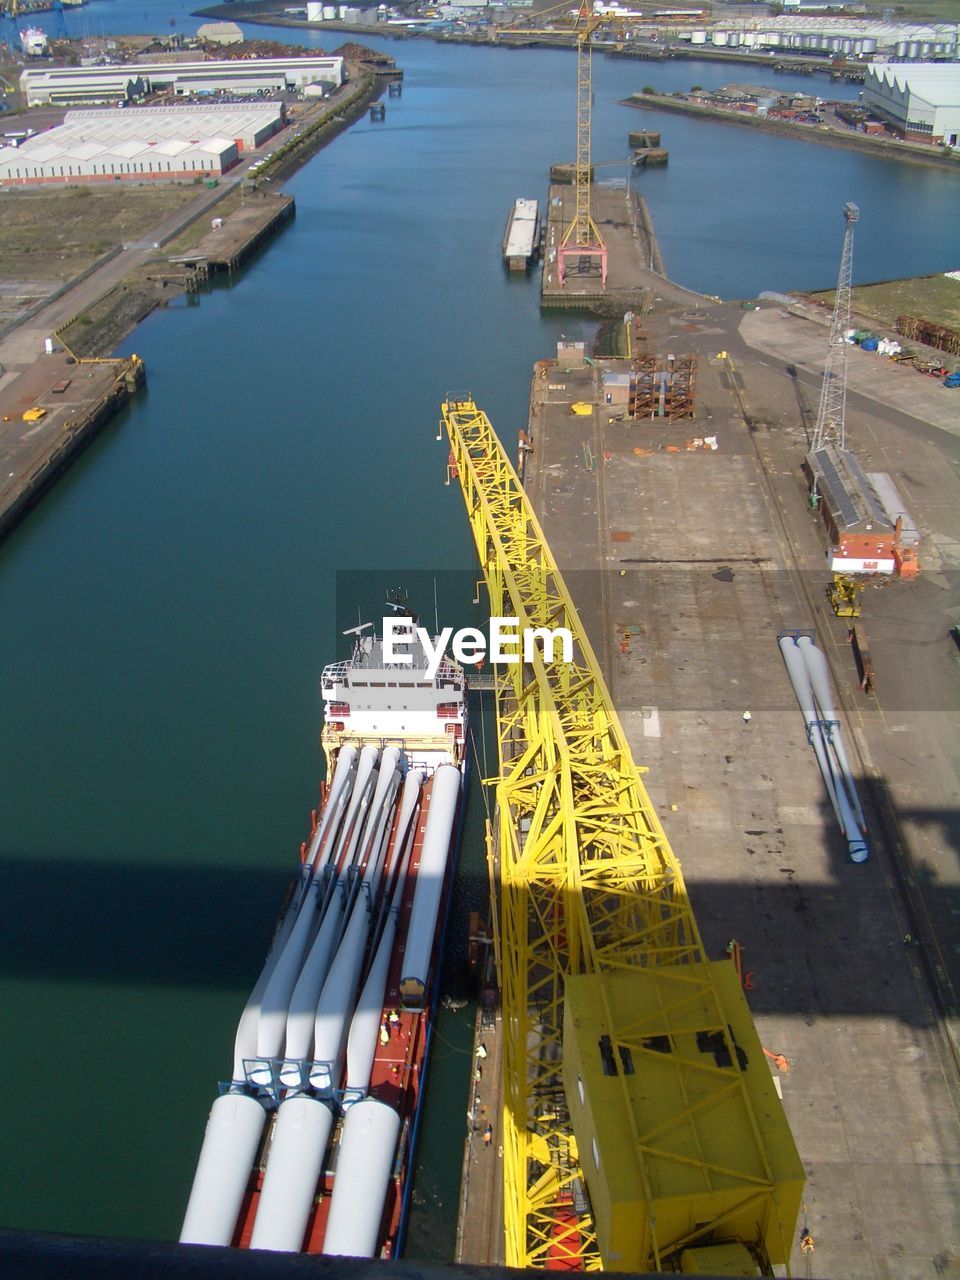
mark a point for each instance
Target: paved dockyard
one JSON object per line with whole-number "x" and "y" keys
{"x": 685, "y": 565}
{"x": 76, "y": 400}
{"x": 632, "y": 252}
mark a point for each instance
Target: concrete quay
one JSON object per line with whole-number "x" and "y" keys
{"x": 686, "y": 563}
{"x": 77, "y": 399}
{"x": 225, "y": 248}
{"x": 634, "y": 264}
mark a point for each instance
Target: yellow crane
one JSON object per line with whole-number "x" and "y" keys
{"x": 581, "y": 237}
{"x": 641, "y": 1127}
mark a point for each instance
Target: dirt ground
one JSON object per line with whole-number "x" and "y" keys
{"x": 47, "y": 237}
{"x": 52, "y": 235}
{"x": 935, "y": 298}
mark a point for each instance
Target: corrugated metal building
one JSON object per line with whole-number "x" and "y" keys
{"x": 920, "y": 101}
{"x": 140, "y": 143}
{"x": 862, "y": 534}
{"x": 42, "y": 85}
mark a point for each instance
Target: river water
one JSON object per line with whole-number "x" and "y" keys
{"x": 167, "y": 609}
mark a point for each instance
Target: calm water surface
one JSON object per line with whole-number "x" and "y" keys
{"x": 166, "y": 611}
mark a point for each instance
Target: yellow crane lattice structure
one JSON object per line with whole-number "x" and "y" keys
{"x": 641, "y": 1130}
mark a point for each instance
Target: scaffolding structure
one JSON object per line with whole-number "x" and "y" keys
{"x": 663, "y": 387}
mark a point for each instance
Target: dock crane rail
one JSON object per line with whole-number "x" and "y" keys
{"x": 640, "y": 1125}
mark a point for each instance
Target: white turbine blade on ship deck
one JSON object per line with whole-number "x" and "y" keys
{"x": 337, "y": 797}
{"x": 338, "y": 999}
{"x": 303, "y": 1002}
{"x": 366, "y": 1021}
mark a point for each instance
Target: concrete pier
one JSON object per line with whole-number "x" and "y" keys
{"x": 77, "y": 398}
{"x": 634, "y": 263}
{"x": 227, "y": 246}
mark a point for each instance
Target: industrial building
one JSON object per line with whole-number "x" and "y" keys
{"x": 237, "y": 77}
{"x": 220, "y": 33}
{"x": 141, "y": 143}
{"x": 920, "y": 102}
{"x": 869, "y": 526}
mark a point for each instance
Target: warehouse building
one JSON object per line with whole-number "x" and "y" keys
{"x": 140, "y": 144}
{"x": 220, "y": 33}
{"x": 238, "y": 77}
{"x": 920, "y": 102}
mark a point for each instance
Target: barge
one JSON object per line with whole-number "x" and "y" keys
{"x": 521, "y": 240}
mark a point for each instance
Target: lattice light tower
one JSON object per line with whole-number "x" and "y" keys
{"x": 830, "y": 428}
{"x": 582, "y": 238}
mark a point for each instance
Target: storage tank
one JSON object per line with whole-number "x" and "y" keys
{"x": 925, "y": 47}
{"x": 868, "y": 46}
{"x": 734, "y": 39}
{"x": 847, "y": 46}
{"x": 902, "y": 47}
{"x": 749, "y": 39}
{"x": 720, "y": 37}
{"x": 913, "y": 49}
{"x": 698, "y": 37}
{"x": 314, "y": 11}
{"x": 329, "y": 12}
{"x": 353, "y": 14}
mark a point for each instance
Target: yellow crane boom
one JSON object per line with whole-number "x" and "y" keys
{"x": 641, "y": 1127}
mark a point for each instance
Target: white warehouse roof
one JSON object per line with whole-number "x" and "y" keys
{"x": 245, "y": 124}
{"x": 937, "y": 83}
{"x": 45, "y": 84}
{"x": 139, "y": 142}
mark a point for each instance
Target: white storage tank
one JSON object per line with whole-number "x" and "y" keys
{"x": 868, "y": 45}
{"x": 913, "y": 49}
{"x": 329, "y": 13}
{"x": 698, "y": 37}
{"x": 314, "y": 11}
{"x": 720, "y": 38}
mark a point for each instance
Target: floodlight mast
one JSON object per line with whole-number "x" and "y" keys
{"x": 831, "y": 416}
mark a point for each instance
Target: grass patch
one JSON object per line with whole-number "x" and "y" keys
{"x": 53, "y": 234}
{"x": 934, "y": 298}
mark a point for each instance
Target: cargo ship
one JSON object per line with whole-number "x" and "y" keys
{"x": 521, "y": 240}
{"x": 309, "y": 1147}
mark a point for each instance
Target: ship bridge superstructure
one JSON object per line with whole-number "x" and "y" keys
{"x": 372, "y": 701}
{"x": 641, "y": 1128}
